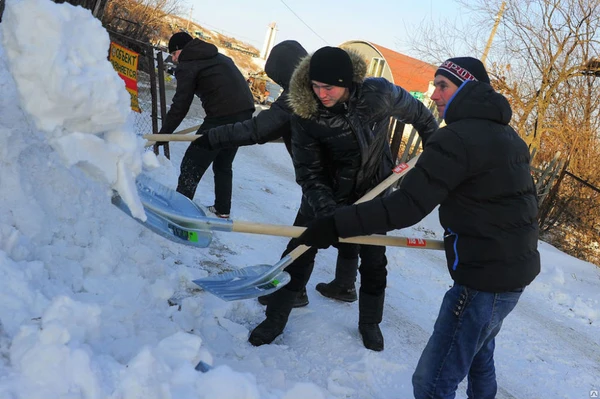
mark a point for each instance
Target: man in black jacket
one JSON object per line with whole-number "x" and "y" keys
{"x": 272, "y": 124}
{"x": 477, "y": 169}
{"x": 340, "y": 150}
{"x": 226, "y": 98}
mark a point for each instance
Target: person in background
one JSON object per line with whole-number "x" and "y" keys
{"x": 477, "y": 169}
{"x": 226, "y": 98}
{"x": 272, "y": 124}
{"x": 340, "y": 150}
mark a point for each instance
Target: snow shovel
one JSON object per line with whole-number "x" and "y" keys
{"x": 254, "y": 281}
{"x": 154, "y": 195}
{"x": 175, "y": 217}
{"x": 162, "y": 202}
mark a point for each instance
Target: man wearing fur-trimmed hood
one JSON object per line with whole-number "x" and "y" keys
{"x": 340, "y": 148}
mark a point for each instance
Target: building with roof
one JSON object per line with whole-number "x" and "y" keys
{"x": 413, "y": 75}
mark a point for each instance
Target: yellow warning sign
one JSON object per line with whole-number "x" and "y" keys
{"x": 125, "y": 63}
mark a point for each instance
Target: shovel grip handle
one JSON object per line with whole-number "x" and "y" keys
{"x": 171, "y": 137}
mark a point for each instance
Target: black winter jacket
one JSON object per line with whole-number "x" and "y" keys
{"x": 214, "y": 78}
{"x": 274, "y": 122}
{"x": 340, "y": 153}
{"x": 477, "y": 168}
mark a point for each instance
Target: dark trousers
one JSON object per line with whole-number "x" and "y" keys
{"x": 373, "y": 272}
{"x": 196, "y": 160}
{"x": 193, "y": 166}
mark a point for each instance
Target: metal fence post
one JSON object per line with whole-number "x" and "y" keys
{"x": 162, "y": 95}
{"x": 397, "y": 129}
{"x": 153, "y": 92}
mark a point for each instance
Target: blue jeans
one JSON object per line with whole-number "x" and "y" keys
{"x": 462, "y": 344}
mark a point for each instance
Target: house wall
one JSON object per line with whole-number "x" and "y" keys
{"x": 368, "y": 52}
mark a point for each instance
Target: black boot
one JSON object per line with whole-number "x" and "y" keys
{"x": 342, "y": 287}
{"x": 370, "y": 313}
{"x": 301, "y": 299}
{"x": 278, "y": 311}
{"x": 334, "y": 291}
{"x": 372, "y": 336}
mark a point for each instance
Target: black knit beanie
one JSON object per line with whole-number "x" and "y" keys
{"x": 463, "y": 68}
{"x": 331, "y": 65}
{"x": 178, "y": 40}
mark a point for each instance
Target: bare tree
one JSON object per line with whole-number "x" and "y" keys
{"x": 437, "y": 40}
{"x": 545, "y": 46}
{"x": 144, "y": 20}
{"x": 545, "y": 60}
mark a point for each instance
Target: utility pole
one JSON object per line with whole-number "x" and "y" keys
{"x": 269, "y": 40}
{"x": 493, "y": 33}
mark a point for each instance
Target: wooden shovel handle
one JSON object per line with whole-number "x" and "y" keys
{"x": 171, "y": 137}
{"x": 184, "y": 131}
{"x": 181, "y": 136}
{"x": 375, "y": 239}
{"x": 389, "y": 181}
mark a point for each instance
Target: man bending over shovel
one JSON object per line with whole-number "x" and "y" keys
{"x": 272, "y": 124}
{"x": 226, "y": 98}
{"x": 340, "y": 150}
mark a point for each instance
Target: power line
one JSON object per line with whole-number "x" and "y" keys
{"x": 301, "y": 20}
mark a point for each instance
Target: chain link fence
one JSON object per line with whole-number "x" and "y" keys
{"x": 142, "y": 121}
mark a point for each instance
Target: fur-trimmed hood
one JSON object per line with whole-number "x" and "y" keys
{"x": 302, "y": 99}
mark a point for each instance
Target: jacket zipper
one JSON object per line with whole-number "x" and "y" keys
{"x": 450, "y": 233}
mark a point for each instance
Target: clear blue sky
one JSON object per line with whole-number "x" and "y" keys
{"x": 384, "y": 22}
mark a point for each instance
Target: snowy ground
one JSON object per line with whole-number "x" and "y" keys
{"x": 548, "y": 345}
{"x": 101, "y": 277}
{"x": 85, "y": 292}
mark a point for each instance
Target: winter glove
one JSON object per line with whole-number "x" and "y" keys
{"x": 320, "y": 233}
{"x": 203, "y": 142}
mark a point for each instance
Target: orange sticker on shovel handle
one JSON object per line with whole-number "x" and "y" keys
{"x": 400, "y": 167}
{"x": 415, "y": 242}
